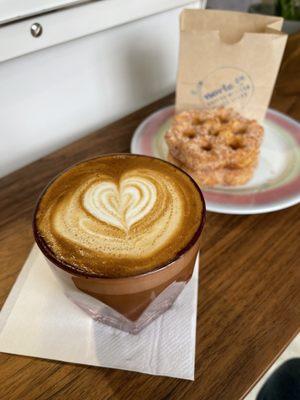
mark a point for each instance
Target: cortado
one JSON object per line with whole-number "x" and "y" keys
{"x": 119, "y": 215}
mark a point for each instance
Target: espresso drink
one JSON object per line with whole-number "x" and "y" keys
{"x": 119, "y": 215}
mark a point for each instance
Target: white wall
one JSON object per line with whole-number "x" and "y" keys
{"x": 53, "y": 96}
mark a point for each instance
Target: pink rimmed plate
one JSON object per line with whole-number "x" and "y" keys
{"x": 276, "y": 181}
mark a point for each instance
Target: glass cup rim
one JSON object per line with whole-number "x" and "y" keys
{"x": 72, "y": 269}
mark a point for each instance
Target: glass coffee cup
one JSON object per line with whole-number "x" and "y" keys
{"x": 132, "y": 301}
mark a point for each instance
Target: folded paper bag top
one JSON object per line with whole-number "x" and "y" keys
{"x": 228, "y": 59}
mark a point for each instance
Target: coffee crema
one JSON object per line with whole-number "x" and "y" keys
{"x": 119, "y": 215}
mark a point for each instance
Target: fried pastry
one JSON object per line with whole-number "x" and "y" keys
{"x": 224, "y": 176}
{"x": 218, "y": 146}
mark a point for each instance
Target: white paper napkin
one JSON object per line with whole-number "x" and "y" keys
{"x": 38, "y": 320}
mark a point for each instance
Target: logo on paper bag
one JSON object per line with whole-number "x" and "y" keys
{"x": 226, "y": 86}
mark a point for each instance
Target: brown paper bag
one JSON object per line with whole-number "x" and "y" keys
{"x": 228, "y": 59}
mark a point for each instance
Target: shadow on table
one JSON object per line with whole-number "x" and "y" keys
{"x": 284, "y": 383}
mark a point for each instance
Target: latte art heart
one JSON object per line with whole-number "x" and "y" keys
{"x": 121, "y": 206}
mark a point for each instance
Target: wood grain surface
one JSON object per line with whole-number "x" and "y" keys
{"x": 249, "y": 295}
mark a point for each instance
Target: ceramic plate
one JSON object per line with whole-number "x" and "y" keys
{"x": 276, "y": 182}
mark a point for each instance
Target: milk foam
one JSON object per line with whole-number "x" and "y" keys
{"x": 119, "y": 217}
{"x": 121, "y": 206}
{"x": 135, "y": 216}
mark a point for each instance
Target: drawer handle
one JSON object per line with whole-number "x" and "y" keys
{"x": 36, "y": 29}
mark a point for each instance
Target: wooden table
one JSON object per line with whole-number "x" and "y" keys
{"x": 249, "y": 295}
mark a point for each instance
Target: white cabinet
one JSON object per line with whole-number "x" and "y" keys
{"x": 87, "y": 69}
